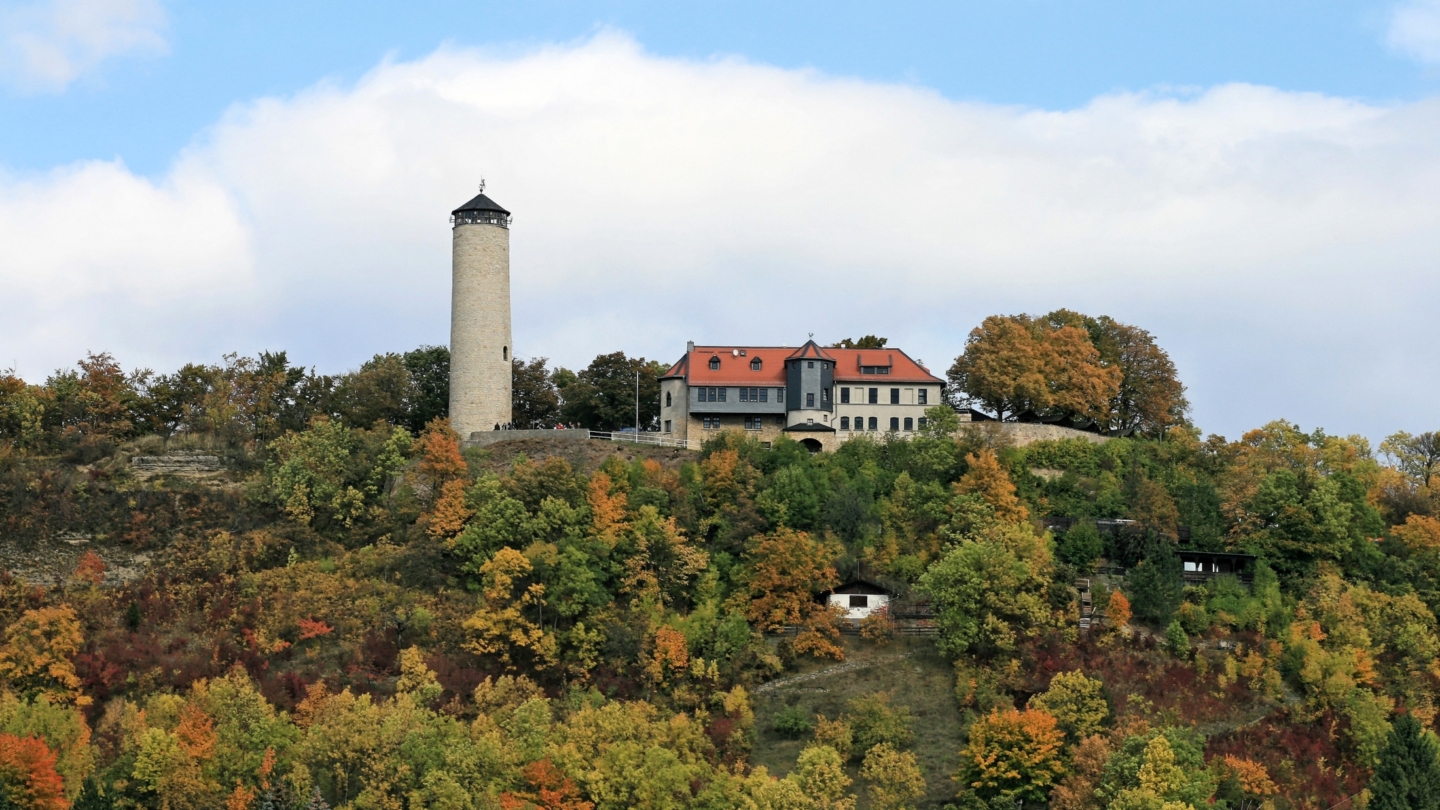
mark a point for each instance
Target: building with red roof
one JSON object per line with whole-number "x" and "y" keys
{"x": 817, "y": 396}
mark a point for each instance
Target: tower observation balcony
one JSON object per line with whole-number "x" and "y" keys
{"x": 480, "y": 211}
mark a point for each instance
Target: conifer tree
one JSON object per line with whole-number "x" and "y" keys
{"x": 1409, "y": 774}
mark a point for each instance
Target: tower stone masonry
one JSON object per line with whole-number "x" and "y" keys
{"x": 480, "y": 347}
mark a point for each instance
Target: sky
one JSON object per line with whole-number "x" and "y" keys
{"x": 1255, "y": 183}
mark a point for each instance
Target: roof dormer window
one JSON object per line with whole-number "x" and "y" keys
{"x": 715, "y": 364}
{"x": 755, "y": 364}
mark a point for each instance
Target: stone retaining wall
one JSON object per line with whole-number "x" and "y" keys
{"x": 485, "y": 438}
{"x": 1020, "y": 434}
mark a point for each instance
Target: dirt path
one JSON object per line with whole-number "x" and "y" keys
{"x": 848, "y": 666}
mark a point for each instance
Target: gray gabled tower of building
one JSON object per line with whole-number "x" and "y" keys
{"x": 480, "y": 346}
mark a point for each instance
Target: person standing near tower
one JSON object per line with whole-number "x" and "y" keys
{"x": 480, "y": 370}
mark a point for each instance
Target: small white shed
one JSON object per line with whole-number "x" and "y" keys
{"x": 859, "y": 598}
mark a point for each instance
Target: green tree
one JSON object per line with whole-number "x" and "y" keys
{"x": 1155, "y": 586}
{"x": 1082, "y": 546}
{"x": 602, "y": 396}
{"x": 1408, "y": 777}
{"x": 429, "y": 368}
{"x": 329, "y": 474}
{"x": 1176, "y": 640}
{"x": 534, "y": 399}
{"x": 379, "y": 392}
{"x": 867, "y": 342}
{"x": 985, "y": 597}
{"x": 875, "y": 721}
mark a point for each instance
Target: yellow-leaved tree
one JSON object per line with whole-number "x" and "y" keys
{"x": 1076, "y": 702}
{"x": 500, "y": 627}
{"x": 35, "y": 660}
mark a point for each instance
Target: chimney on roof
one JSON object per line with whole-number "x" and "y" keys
{"x": 689, "y": 346}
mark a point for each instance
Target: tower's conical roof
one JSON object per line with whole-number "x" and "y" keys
{"x": 481, "y": 203}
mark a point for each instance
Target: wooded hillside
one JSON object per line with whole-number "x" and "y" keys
{"x": 337, "y": 606}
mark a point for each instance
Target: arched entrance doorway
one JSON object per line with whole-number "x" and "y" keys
{"x": 813, "y": 445}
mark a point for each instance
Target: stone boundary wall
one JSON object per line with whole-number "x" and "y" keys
{"x": 1020, "y": 434}
{"x": 485, "y": 438}
{"x": 179, "y": 463}
{"x": 1017, "y": 434}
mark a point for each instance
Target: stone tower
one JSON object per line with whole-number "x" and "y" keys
{"x": 480, "y": 317}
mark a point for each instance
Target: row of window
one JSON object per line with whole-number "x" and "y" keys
{"x": 751, "y": 422}
{"x": 872, "y": 396}
{"x": 746, "y": 395}
{"x": 895, "y": 423}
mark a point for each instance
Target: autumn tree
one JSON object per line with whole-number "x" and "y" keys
{"x": 986, "y": 478}
{"x": 549, "y": 789}
{"x": 1012, "y": 754}
{"x": 1076, "y": 702}
{"x": 501, "y": 627}
{"x": 821, "y": 775}
{"x": 1250, "y": 780}
{"x": 22, "y": 412}
{"x": 1418, "y": 457}
{"x": 894, "y": 777}
{"x": 1117, "y": 610}
{"x": 1408, "y": 777}
{"x": 445, "y": 478}
{"x": 28, "y": 778}
{"x": 38, "y": 652}
{"x": 785, "y": 569}
{"x": 1150, "y": 398}
{"x": 92, "y": 407}
{"x": 874, "y": 720}
{"x": 1014, "y": 364}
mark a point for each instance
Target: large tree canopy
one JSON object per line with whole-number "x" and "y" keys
{"x": 1069, "y": 364}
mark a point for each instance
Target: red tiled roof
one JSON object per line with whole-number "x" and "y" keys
{"x": 902, "y": 368}
{"x": 694, "y": 367}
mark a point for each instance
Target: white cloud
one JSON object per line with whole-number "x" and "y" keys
{"x": 1283, "y": 246}
{"x": 1415, "y": 30}
{"x": 47, "y": 44}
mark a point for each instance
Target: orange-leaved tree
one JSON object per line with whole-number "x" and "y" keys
{"x": 1117, "y": 610}
{"x": 669, "y": 655}
{"x": 445, "y": 475}
{"x": 607, "y": 509}
{"x": 1013, "y": 754}
{"x": 785, "y": 570}
{"x": 989, "y": 480}
{"x": 550, "y": 789}
{"x": 36, "y": 657}
{"x": 27, "y": 774}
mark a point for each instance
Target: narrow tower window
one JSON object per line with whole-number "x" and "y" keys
{"x": 504, "y": 352}
{"x": 667, "y": 403}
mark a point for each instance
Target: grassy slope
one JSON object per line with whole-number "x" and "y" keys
{"x": 924, "y": 681}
